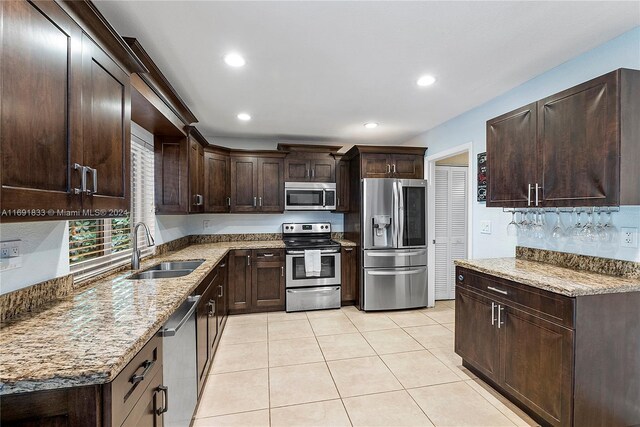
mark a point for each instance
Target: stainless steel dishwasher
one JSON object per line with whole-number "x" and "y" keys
{"x": 179, "y": 369}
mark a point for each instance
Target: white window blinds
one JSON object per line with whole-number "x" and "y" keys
{"x": 98, "y": 245}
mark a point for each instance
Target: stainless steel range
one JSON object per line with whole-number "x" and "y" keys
{"x": 313, "y": 267}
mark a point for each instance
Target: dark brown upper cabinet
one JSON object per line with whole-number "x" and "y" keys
{"x": 257, "y": 182}
{"x": 217, "y": 183}
{"x": 106, "y": 115}
{"x": 64, "y": 111}
{"x": 180, "y": 173}
{"x": 342, "y": 185}
{"x": 511, "y": 144}
{"x": 387, "y": 162}
{"x": 575, "y": 148}
{"x": 309, "y": 163}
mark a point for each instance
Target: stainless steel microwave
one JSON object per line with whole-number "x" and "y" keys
{"x": 309, "y": 196}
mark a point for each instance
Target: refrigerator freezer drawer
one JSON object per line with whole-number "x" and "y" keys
{"x": 313, "y": 298}
{"x": 395, "y": 288}
{"x": 395, "y": 258}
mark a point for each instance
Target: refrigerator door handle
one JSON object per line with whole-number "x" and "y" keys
{"x": 400, "y": 215}
{"x": 394, "y": 207}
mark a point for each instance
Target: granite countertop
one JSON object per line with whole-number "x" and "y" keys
{"x": 89, "y": 336}
{"x": 560, "y": 280}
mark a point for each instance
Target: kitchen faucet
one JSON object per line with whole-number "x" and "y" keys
{"x": 135, "y": 255}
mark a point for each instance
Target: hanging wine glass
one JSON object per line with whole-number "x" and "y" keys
{"x": 512, "y": 227}
{"x": 587, "y": 233}
{"x": 557, "y": 232}
{"x": 577, "y": 227}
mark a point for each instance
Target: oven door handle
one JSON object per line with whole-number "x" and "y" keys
{"x": 322, "y": 251}
{"x": 396, "y": 254}
{"x": 396, "y": 272}
{"x": 313, "y": 290}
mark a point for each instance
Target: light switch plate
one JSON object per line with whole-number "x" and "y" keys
{"x": 628, "y": 237}
{"x": 10, "y": 254}
{"x": 485, "y": 227}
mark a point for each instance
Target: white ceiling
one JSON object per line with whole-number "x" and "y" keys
{"x": 320, "y": 70}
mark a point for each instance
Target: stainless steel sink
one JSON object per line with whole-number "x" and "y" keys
{"x": 159, "y": 274}
{"x": 177, "y": 265}
{"x": 167, "y": 269}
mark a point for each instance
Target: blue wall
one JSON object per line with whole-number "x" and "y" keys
{"x": 621, "y": 52}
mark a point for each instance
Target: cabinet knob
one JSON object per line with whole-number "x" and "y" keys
{"x": 461, "y": 277}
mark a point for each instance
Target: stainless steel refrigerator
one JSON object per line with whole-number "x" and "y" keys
{"x": 394, "y": 244}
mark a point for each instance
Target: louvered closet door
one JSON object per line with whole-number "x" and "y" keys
{"x": 451, "y": 226}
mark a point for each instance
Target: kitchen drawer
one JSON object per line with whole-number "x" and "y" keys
{"x": 268, "y": 255}
{"x": 546, "y": 305}
{"x": 130, "y": 384}
{"x": 202, "y": 287}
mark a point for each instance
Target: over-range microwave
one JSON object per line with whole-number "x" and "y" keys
{"x": 309, "y": 196}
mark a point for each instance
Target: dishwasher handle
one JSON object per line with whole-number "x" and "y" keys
{"x": 169, "y": 332}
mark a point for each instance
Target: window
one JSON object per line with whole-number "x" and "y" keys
{"x": 98, "y": 245}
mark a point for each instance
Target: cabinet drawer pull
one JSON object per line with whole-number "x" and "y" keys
{"x": 281, "y": 271}
{"x": 220, "y": 291}
{"x": 500, "y": 291}
{"x": 537, "y": 189}
{"x": 147, "y": 365}
{"x": 394, "y": 168}
{"x": 500, "y": 309}
{"x": 260, "y": 201}
{"x": 267, "y": 255}
{"x": 212, "y": 308}
{"x": 461, "y": 277}
{"x": 254, "y": 201}
{"x": 348, "y": 249}
{"x": 388, "y": 169}
{"x": 165, "y": 394}
{"x": 228, "y": 201}
{"x": 529, "y": 196}
{"x": 223, "y": 265}
{"x": 248, "y": 260}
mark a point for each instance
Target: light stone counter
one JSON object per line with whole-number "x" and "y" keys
{"x": 88, "y": 336}
{"x": 560, "y": 280}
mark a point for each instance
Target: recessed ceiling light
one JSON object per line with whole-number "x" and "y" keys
{"x": 426, "y": 80}
{"x": 371, "y": 125}
{"x": 234, "y": 60}
{"x": 244, "y": 117}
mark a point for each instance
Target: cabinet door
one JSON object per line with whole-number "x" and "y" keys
{"x": 270, "y": 185}
{"x": 476, "y": 339}
{"x": 222, "y": 304}
{"x": 323, "y": 170}
{"x": 268, "y": 290}
{"x": 349, "y": 279}
{"x": 512, "y": 158}
{"x": 40, "y": 120}
{"x": 171, "y": 175}
{"x": 214, "y": 314}
{"x": 537, "y": 364}
{"x": 202, "y": 335}
{"x": 216, "y": 183}
{"x": 578, "y": 143}
{"x": 296, "y": 169}
{"x": 244, "y": 184}
{"x": 342, "y": 186}
{"x": 407, "y": 166}
{"x": 196, "y": 175}
{"x": 375, "y": 165}
{"x": 239, "y": 281}
{"x": 106, "y": 131}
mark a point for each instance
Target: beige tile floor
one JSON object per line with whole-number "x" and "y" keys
{"x": 347, "y": 368}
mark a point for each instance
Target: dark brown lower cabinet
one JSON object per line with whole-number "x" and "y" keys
{"x": 211, "y": 315}
{"x": 349, "y": 275}
{"x": 256, "y": 280}
{"x": 566, "y": 361}
{"x": 122, "y": 402}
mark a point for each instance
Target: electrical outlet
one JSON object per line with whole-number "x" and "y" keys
{"x": 10, "y": 254}
{"x": 206, "y": 223}
{"x": 485, "y": 227}
{"x": 628, "y": 237}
